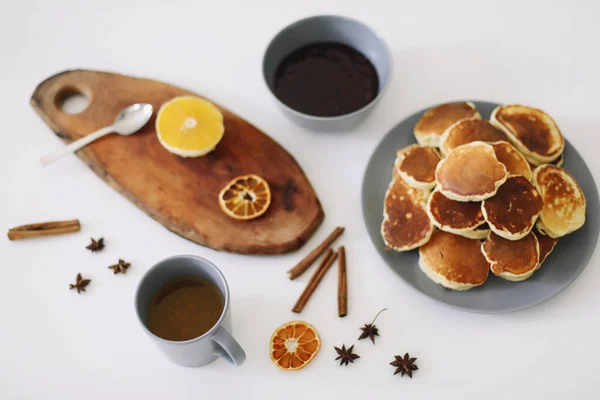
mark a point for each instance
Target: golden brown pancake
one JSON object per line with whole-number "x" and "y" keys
{"x": 564, "y": 201}
{"x": 416, "y": 165}
{"x": 481, "y": 232}
{"x": 514, "y": 260}
{"x": 454, "y": 216}
{"x": 396, "y": 175}
{"x": 470, "y": 172}
{"x": 453, "y": 261}
{"x": 533, "y": 132}
{"x": 559, "y": 161}
{"x": 546, "y": 246}
{"x": 512, "y": 212}
{"x": 514, "y": 161}
{"x": 436, "y": 120}
{"x": 405, "y": 224}
{"x": 467, "y": 131}
{"x": 399, "y": 156}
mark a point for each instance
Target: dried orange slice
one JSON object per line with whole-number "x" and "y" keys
{"x": 246, "y": 197}
{"x": 189, "y": 126}
{"x": 294, "y": 345}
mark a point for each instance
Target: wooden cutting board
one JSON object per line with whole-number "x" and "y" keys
{"x": 182, "y": 193}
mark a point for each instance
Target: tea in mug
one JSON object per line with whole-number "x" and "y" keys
{"x": 184, "y": 308}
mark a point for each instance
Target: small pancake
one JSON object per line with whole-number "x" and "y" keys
{"x": 470, "y": 172}
{"x": 453, "y": 261}
{"x": 533, "y": 132}
{"x": 559, "y": 161}
{"x": 397, "y": 160}
{"x": 512, "y": 212}
{"x": 514, "y": 161}
{"x": 467, "y": 131}
{"x": 453, "y": 216}
{"x": 479, "y": 233}
{"x": 546, "y": 246}
{"x": 396, "y": 175}
{"x": 436, "y": 120}
{"x": 416, "y": 165}
{"x": 405, "y": 222}
{"x": 513, "y": 260}
{"x": 564, "y": 202}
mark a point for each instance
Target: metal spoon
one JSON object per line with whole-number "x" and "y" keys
{"x": 129, "y": 121}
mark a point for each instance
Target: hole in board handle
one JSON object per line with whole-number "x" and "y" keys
{"x": 71, "y": 101}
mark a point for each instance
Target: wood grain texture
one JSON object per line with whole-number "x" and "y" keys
{"x": 182, "y": 193}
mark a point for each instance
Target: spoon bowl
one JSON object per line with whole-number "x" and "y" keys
{"x": 133, "y": 118}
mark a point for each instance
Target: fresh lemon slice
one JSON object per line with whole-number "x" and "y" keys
{"x": 189, "y": 126}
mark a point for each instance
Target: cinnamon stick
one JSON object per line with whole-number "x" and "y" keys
{"x": 342, "y": 283}
{"x": 314, "y": 281}
{"x": 44, "y": 229}
{"x": 305, "y": 264}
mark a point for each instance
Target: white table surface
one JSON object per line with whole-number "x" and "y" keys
{"x": 55, "y": 344}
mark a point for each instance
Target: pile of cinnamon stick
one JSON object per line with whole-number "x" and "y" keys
{"x": 327, "y": 261}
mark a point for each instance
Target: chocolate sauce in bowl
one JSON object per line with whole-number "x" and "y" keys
{"x": 326, "y": 79}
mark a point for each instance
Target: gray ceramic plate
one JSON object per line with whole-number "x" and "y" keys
{"x": 569, "y": 258}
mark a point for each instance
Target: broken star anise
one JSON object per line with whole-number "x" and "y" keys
{"x": 80, "y": 284}
{"x": 346, "y": 355}
{"x": 404, "y": 365}
{"x": 120, "y": 267}
{"x": 96, "y": 245}
{"x": 370, "y": 330}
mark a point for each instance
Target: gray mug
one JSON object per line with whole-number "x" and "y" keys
{"x": 215, "y": 343}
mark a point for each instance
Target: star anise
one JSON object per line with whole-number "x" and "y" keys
{"x": 404, "y": 365}
{"x": 346, "y": 355}
{"x": 120, "y": 267}
{"x": 80, "y": 284}
{"x": 370, "y": 330}
{"x": 96, "y": 245}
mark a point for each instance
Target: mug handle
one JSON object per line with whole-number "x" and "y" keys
{"x": 229, "y": 348}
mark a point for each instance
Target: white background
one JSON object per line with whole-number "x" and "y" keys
{"x": 55, "y": 344}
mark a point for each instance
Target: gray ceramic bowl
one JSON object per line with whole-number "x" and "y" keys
{"x": 328, "y": 28}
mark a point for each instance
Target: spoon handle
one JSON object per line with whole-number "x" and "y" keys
{"x": 76, "y": 145}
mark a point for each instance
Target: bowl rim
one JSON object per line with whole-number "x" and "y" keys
{"x": 372, "y": 103}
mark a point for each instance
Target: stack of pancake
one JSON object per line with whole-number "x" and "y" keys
{"x": 476, "y": 196}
